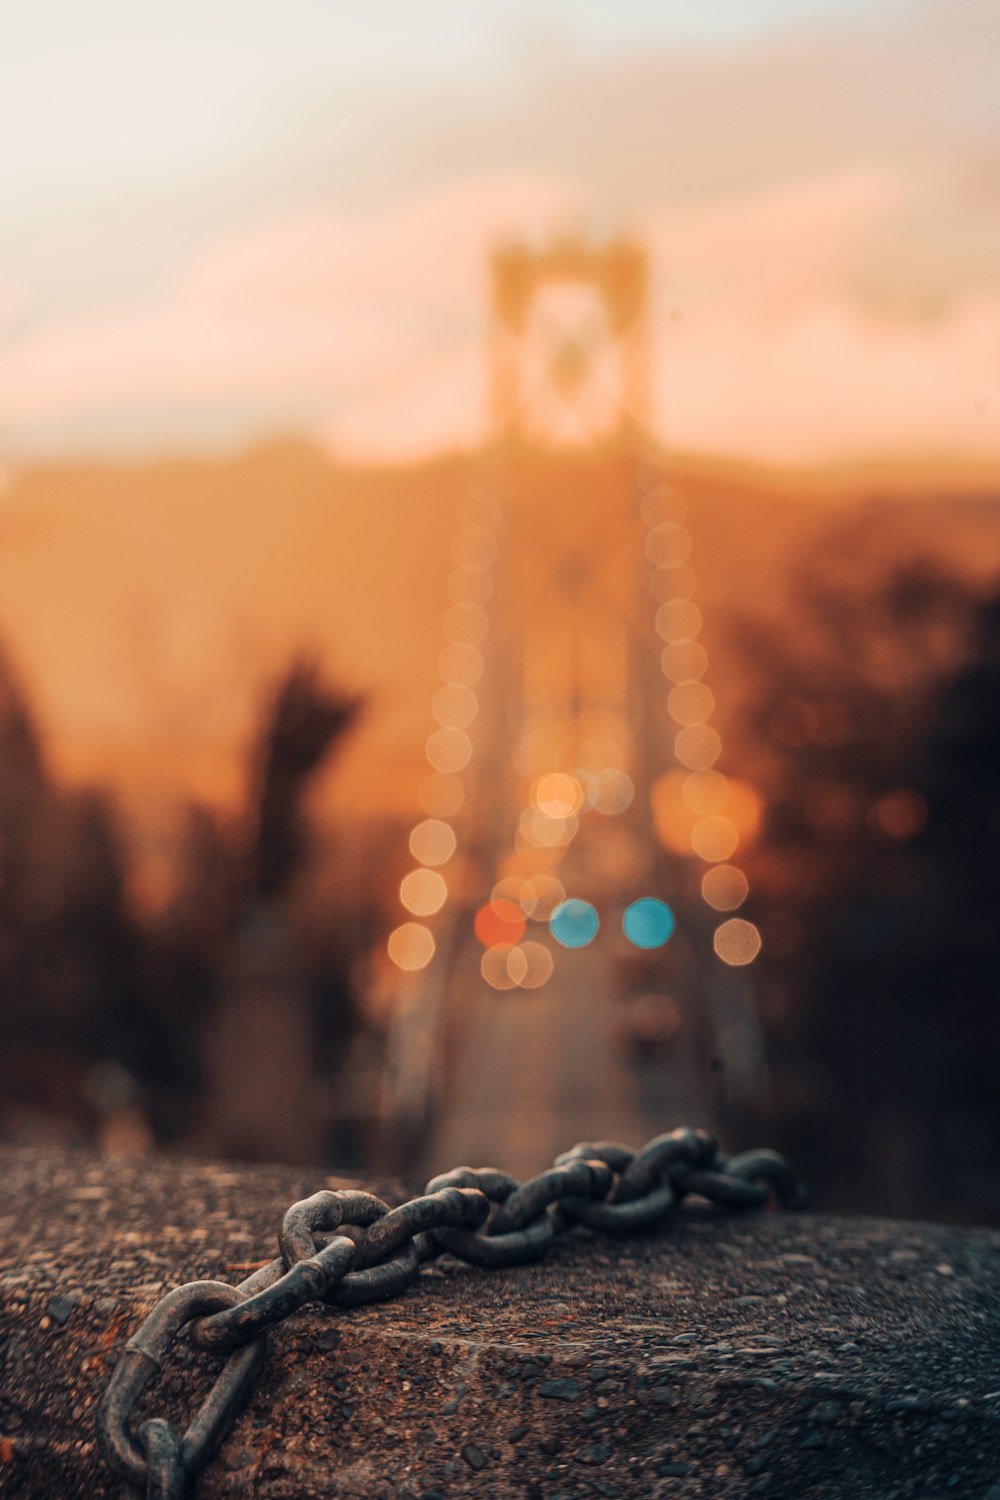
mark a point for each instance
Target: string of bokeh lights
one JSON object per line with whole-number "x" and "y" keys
{"x": 424, "y": 891}
{"x": 697, "y": 810}
{"x": 528, "y": 889}
{"x": 546, "y": 828}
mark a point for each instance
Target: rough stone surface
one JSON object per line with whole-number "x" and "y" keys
{"x": 762, "y": 1355}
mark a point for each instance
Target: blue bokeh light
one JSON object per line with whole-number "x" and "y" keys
{"x": 648, "y": 923}
{"x": 574, "y": 923}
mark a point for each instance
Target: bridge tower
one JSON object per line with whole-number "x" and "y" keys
{"x": 570, "y": 400}
{"x": 570, "y": 340}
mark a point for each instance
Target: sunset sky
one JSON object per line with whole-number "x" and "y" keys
{"x": 224, "y": 221}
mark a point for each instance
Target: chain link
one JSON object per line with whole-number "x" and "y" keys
{"x": 347, "y": 1248}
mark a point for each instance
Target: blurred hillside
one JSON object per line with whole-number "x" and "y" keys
{"x": 218, "y": 694}
{"x": 148, "y": 606}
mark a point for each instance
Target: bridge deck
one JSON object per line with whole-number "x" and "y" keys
{"x": 539, "y": 1070}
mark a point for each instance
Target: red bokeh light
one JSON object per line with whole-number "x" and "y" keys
{"x": 499, "y": 921}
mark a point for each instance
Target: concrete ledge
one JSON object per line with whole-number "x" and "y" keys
{"x": 771, "y": 1354}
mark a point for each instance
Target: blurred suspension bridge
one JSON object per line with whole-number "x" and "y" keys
{"x": 570, "y": 952}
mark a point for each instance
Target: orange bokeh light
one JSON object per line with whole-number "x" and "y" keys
{"x": 673, "y": 818}
{"x": 557, "y": 795}
{"x": 715, "y": 838}
{"x": 682, "y": 802}
{"x": 499, "y": 922}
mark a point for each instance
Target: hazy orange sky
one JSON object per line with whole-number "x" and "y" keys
{"x": 223, "y": 221}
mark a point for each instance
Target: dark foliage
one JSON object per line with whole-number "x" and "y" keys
{"x": 302, "y": 725}
{"x": 875, "y": 735}
{"x": 103, "y": 1008}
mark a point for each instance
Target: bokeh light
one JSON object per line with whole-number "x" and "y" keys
{"x": 514, "y": 888}
{"x": 737, "y": 942}
{"x": 648, "y": 922}
{"x": 557, "y": 795}
{"x": 725, "y": 887}
{"x": 433, "y": 842}
{"x": 495, "y": 967}
{"x": 466, "y": 624}
{"x": 899, "y": 815}
{"x": 544, "y": 893}
{"x": 691, "y": 703}
{"x": 469, "y": 586}
{"x": 705, "y": 791}
{"x": 672, "y": 817}
{"x": 423, "y": 892}
{"x": 454, "y": 707}
{"x": 474, "y": 547}
{"x": 448, "y": 750}
{"x": 508, "y": 966}
{"x": 684, "y": 661}
{"x": 499, "y": 921}
{"x": 441, "y": 794}
{"x": 574, "y": 923}
{"x": 411, "y": 946}
{"x": 479, "y": 508}
{"x": 745, "y": 808}
{"x": 538, "y": 965}
{"x": 542, "y": 832}
{"x": 678, "y": 620}
{"x": 673, "y": 583}
{"x": 715, "y": 838}
{"x": 460, "y": 664}
{"x": 698, "y": 747}
{"x": 517, "y": 964}
{"x": 609, "y": 791}
{"x": 668, "y": 545}
{"x": 663, "y": 503}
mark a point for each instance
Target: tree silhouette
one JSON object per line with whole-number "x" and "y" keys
{"x": 69, "y": 972}
{"x": 101, "y": 1004}
{"x": 303, "y": 724}
{"x": 873, "y": 731}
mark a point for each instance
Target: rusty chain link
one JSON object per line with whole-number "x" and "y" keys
{"x": 479, "y": 1214}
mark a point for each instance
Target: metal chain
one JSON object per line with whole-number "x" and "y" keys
{"x": 348, "y": 1247}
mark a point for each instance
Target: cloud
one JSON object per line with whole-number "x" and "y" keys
{"x": 10, "y": 303}
{"x": 327, "y": 310}
{"x": 827, "y": 382}
{"x": 776, "y": 247}
{"x": 370, "y": 330}
{"x": 822, "y": 197}
{"x": 765, "y": 350}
